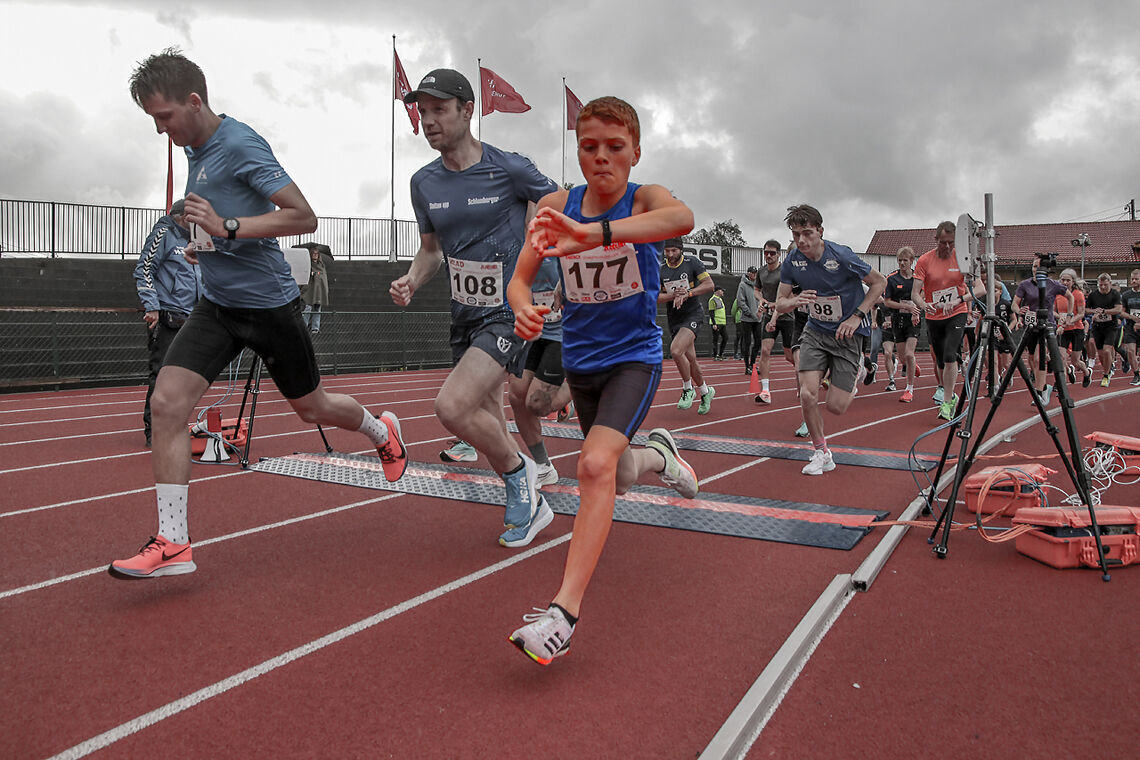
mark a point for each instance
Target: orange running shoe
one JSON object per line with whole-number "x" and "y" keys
{"x": 917, "y": 370}
{"x": 907, "y": 397}
{"x": 393, "y": 455}
{"x": 157, "y": 557}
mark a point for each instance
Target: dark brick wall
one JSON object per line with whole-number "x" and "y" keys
{"x": 99, "y": 283}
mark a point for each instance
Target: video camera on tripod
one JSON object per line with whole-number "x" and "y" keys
{"x": 1046, "y": 262}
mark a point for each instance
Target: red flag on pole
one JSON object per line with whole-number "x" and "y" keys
{"x": 169, "y": 173}
{"x": 402, "y": 88}
{"x": 497, "y": 95}
{"x": 573, "y": 106}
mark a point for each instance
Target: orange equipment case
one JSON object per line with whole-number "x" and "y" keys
{"x": 1064, "y": 536}
{"x": 1128, "y": 446}
{"x": 1007, "y": 493}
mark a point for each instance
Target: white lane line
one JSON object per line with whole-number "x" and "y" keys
{"x": 170, "y": 709}
{"x": 206, "y": 542}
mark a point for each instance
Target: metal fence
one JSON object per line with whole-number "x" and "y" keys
{"x": 54, "y": 229}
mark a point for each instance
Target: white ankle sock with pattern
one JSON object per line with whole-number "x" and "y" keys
{"x": 172, "y": 524}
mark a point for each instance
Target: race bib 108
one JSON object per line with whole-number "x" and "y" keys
{"x": 476, "y": 283}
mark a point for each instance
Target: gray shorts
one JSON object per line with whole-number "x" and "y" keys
{"x": 822, "y": 352}
{"x": 494, "y": 337}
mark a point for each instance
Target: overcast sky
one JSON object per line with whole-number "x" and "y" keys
{"x": 882, "y": 114}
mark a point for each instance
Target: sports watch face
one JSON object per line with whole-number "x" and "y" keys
{"x": 231, "y": 225}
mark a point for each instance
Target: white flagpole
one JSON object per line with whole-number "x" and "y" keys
{"x": 562, "y": 129}
{"x": 479, "y": 73}
{"x": 392, "y": 218}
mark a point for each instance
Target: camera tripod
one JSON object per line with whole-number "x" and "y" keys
{"x": 1042, "y": 336}
{"x": 249, "y": 396}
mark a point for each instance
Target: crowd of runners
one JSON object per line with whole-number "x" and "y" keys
{"x": 554, "y": 293}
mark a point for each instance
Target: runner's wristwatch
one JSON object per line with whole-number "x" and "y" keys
{"x": 231, "y": 225}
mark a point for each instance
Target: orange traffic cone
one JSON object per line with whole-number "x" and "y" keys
{"x": 754, "y": 384}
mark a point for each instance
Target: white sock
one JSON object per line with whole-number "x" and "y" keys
{"x": 910, "y": 386}
{"x": 372, "y": 427}
{"x": 703, "y": 389}
{"x": 764, "y": 385}
{"x": 687, "y": 385}
{"x": 172, "y": 512}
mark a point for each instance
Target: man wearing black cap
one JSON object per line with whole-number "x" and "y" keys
{"x": 683, "y": 278}
{"x": 168, "y": 286}
{"x": 473, "y": 204}
{"x": 749, "y": 326}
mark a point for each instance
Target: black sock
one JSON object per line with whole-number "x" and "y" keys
{"x": 522, "y": 464}
{"x": 569, "y": 618}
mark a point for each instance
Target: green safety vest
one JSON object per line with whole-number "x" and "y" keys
{"x": 716, "y": 311}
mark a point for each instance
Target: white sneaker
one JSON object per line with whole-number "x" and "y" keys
{"x": 547, "y": 475}
{"x": 678, "y": 474}
{"x": 545, "y": 636}
{"x": 820, "y": 463}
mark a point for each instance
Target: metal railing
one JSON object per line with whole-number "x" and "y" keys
{"x": 54, "y": 229}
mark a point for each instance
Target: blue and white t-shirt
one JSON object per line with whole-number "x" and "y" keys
{"x": 236, "y": 171}
{"x": 610, "y": 316}
{"x": 479, "y": 216}
{"x": 837, "y": 279}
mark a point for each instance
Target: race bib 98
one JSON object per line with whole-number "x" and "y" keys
{"x": 827, "y": 309}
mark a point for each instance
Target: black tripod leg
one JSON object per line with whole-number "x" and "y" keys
{"x": 253, "y": 390}
{"x": 964, "y": 463}
{"x": 968, "y": 402}
{"x": 328, "y": 448}
{"x": 1074, "y": 461}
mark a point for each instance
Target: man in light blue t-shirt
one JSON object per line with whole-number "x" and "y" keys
{"x": 238, "y": 201}
{"x": 472, "y": 205}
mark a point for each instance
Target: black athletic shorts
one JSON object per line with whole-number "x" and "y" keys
{"x": 213, "y": 335}
{"x": 1073, "y": 340}
{"x": 1103, "y": 334}
{"x": 1129, "y": 334}
{"x": 946, "y": 338}
{"x": 799, "y": 322}
{"x": 690, "y": 318}
{"x": 617, "y": 398}
{"x": 495, "y": 337}
{"x": 544, "y": 359}
{"x": 785, "y": 328}
{"x": 904, "y": 328}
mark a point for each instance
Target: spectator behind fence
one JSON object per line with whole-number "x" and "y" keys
{"x": 168, "y": 287}
{"x": 316, "y": 293}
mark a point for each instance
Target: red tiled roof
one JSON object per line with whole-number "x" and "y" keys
{"x": 1112, "y": 242}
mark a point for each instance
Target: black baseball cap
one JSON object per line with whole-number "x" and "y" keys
{"x": 672, "y": 243}
{"x": 445, "y": 84}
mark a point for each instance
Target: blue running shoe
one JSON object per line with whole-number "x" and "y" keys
{"x": 522, "y": 494}
{"x": 513, "y": 538}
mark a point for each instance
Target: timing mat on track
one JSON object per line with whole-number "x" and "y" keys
{"x": 788, "y": 522}
{"x": 798, "y": 450}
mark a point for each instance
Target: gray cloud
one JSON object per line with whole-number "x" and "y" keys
{"x": 881, "y": 113}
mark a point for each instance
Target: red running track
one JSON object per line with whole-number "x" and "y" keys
{"x": 331, "y": 621}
